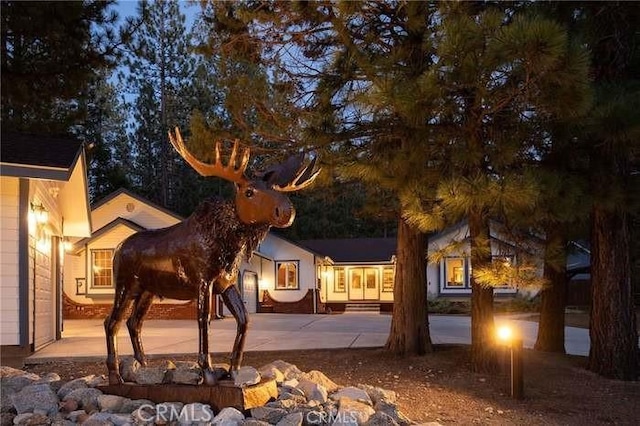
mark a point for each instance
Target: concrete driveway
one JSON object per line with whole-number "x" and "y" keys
{"x": 84, "y": 339}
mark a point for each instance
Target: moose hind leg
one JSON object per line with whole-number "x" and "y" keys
{"x": 121, "y": 303}
{"x": 235, "y": 304}
{"x": 140, "y": 309}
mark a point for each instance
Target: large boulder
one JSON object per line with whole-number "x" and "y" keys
{"x": 36, "y": 397}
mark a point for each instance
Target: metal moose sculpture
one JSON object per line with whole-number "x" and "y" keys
{"x": 201, "y": 255}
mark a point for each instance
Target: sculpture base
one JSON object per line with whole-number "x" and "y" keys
{"x": 225, "y": 394}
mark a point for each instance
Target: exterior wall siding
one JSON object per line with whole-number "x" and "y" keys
{"x": 9, "y": 225}
{"x": 129, "y": 208}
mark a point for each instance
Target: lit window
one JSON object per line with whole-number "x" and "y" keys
{"x": 387, "y": 278}
{"x": 454, "y": 272}
{"x": 287, "y": 273}
{"x": 340, "y": 280}
{"x": 102, "y": 262}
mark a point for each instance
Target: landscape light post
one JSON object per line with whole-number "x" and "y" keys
{"x": 508, "y": 337}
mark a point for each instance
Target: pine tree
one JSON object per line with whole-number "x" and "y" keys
{"x": 501, "y": 72}
{"x": 612, "y": 132}
{"x": 105, "y": 131}
{"x": 51, "y": 52}
{"x": 160, "y": 66}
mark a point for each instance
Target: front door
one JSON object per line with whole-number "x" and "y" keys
{"x": 363, "y": 284}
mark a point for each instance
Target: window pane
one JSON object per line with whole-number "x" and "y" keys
{"x": 387, "y": 279}
{"x": 287, "y": 275}
{"x": 371, "y": 279}
{"x": 340, "y": 279}
{"x": 102, "y": 264}
{"x": 282, "y": 276}
{"x": 454, "y": 270}
{"x": 292, "y": 271}
{"x": 356, "y": 279}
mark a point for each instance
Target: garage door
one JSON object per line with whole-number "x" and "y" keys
{"x": 44, "y": 297}
{"x": 250, "y": 291}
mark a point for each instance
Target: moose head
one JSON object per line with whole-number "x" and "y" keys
{"x": 259, "y": 200}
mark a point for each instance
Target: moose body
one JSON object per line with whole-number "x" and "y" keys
{"x": 200, "y": 256}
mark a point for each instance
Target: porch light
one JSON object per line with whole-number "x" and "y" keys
{"x": 507, "y": 336}
{"x": 262, "y": 284}
{"x": 40, "y": 214}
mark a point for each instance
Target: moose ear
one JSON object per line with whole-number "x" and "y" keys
{"x": 268, "y": 176}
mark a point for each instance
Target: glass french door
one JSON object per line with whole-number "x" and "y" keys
{"x": 364, "y": 284}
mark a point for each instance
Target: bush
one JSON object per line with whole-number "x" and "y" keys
{"x": 443, "y": 305}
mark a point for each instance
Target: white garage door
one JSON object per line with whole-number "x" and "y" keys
{"x": 44, "y": 298}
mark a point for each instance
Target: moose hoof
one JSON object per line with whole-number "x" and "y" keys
{"x": 212, "y": 377}
{"x": 115, "y": 378}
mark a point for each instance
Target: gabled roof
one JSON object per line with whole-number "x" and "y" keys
{"x": 38, "y": 156}
{"x": 141, "y": 199}
{"x": 354, "y": 250}
{"x": 79, "y": 245}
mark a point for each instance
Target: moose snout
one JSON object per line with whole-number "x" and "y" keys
{"x": 283, "y": 216}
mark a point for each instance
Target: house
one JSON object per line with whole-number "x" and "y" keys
{"x": 355, "y": 271}
{"x": 280, "y": 276}
{"x": 88, "y": 277}
{"x": 45, "y": 202}
{"x": 361, "y": 271}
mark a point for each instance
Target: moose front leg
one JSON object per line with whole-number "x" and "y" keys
{"x": 233, "y": 299}
{"x": 204, "y": 315}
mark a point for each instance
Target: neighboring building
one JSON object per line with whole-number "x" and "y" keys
{"x": 44, "y": 199}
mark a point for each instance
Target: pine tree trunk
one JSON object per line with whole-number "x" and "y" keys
{"x": 483, "y": 344}
{"x": 614, "y": 339}
{"x": 409, "y": 334}
{"x": 553, "y": 296}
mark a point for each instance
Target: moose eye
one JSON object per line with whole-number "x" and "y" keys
{"x": 249, "y": 192}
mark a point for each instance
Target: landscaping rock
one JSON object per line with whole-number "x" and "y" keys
{"x": 271, "y": 372}
{"x": 289, "y": 371}
{"x": 33, "y": 397}
{"x": 247, "y": 376}
{"x": 351, "y": 412}
{"x": 129, "y": 367}
{"x": 154, "y": 375}
{"x": 380, "y": 419}
{"x": 293, "y": 419}
{"x": 392, "y": 411}
{"x": 353, "y": 393}
{"x": 87, "y": 398}
{"x": 313, "y": 391}
{"x": 268, "y": 414}
{"x": 253, "y": 422}
{"x": 186, "y": 373}
{"x": 98, "y": 419}
{"x": 168, "y": 412}
{"x": 228, "y": 416}
{"x": 302, "y": 400}
{"x": 111, "y": 403}
{"x": 378, "y": 394}
{"x": 320, "y": 378}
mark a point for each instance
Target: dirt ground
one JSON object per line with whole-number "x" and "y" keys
{"x": 441, "y": 386}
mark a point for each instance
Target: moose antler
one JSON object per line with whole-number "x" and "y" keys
{"x": 291, "y": 176}
{"x": 228, "y": 172}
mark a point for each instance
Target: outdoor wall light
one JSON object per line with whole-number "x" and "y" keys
{"x": 40, "y": 214}
{"x": 506, "y": 335}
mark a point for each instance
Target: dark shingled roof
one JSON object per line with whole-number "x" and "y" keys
{"x": 354, "y": 250}
{"x": 38, "y": 150}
